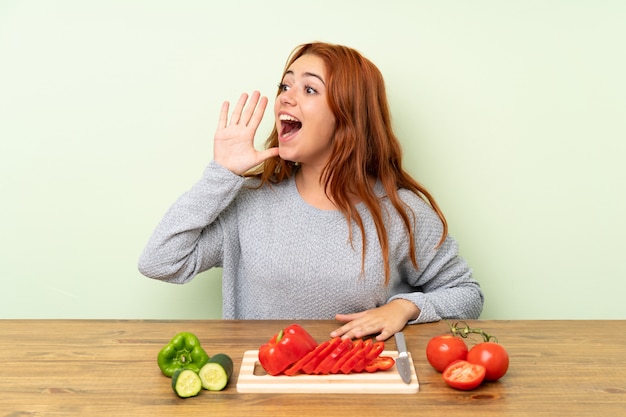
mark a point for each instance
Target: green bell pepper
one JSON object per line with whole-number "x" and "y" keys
{"x": 182, "y": 352}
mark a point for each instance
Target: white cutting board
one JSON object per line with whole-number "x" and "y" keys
{"x": 381, "y": 382}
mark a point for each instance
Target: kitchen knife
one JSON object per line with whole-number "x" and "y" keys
{"x": 403, "y": 363}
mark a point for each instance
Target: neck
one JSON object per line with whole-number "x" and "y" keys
{"x": 311, "y": 189}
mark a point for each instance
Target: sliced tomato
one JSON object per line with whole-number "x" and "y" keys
{"x": 381, "y": 363}
{"x": 464, "y": 375}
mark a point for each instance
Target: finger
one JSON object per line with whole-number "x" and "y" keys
{"x": 350, "y": 324}
{"x": 250, "y": 109}
{"x": 259, "y": 111}
{"x": 341, "y": 331}
{"x": 267, "y": 154}
{"x": 384, "y": 335}
{"x": 356, "y": 333}
{"x": 348, "y": 330}
{"x": 223, "y": 120}
{"x": 337, "y": 332}
{"x": 236, "y": 116}
{"x": 345, "y": 318}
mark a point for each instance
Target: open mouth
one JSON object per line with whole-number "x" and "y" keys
{"x": 289, "y": 125}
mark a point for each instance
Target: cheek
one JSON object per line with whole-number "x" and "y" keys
{"x": 276, "y": 107}
{"x": 328, "y": 125}
{"x": 330, "y": 131}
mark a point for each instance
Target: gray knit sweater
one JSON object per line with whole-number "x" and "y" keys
{"x": 284, "y": 259}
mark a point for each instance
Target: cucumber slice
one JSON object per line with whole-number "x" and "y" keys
{"x": 186, "y": 383}
{"x": 216, "y": 373}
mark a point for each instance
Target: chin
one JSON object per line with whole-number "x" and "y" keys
{"x": 286, "y": 155}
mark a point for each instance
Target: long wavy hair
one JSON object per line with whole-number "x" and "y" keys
{"x": 364, "y": 146}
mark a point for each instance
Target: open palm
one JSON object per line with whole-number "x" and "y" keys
{"x": 233, "y": 145}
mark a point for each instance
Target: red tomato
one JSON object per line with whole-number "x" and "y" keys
{"x": 442, "y": 350}
{"x": 464, "y": 375}
{"x": 493, "y": 357}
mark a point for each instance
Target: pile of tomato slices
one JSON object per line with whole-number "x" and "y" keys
{"x": 463, "y": 368}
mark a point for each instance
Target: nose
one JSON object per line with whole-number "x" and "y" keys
{"x": 287, "y": 97}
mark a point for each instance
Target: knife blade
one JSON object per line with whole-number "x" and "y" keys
{"x": 403, "y": 363}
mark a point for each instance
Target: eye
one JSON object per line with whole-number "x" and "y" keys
{"x": 310, "y": 90}
{"x": 282, "y": 87}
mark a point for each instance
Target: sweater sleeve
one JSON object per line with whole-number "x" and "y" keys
{"x": 442, "y": 286}
{"x": 189, "y": 238}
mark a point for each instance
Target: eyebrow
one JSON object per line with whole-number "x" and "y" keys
{"x": 307, "y": 74}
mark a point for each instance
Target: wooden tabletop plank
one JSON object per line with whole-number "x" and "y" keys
{"x": 108, "y": 367}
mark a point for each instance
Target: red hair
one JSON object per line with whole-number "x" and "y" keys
{"x": 364, "y": 145}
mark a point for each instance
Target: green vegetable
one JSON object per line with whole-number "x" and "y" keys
{"x": 186, "y": 383}
{"x": 216, "y": 372}
{"x": 182, "y": 352}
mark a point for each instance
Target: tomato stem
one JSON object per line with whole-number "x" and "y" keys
{"x": 463, "y": 330}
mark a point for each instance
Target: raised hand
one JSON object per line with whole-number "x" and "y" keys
{"x": 233, "y": 145}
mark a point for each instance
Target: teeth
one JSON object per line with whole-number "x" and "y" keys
{"x": 287, "y": 118}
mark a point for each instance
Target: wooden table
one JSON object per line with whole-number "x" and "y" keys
{"x": 108, "y": 367}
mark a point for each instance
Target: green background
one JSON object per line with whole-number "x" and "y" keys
{"x": 510, "y": 112}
